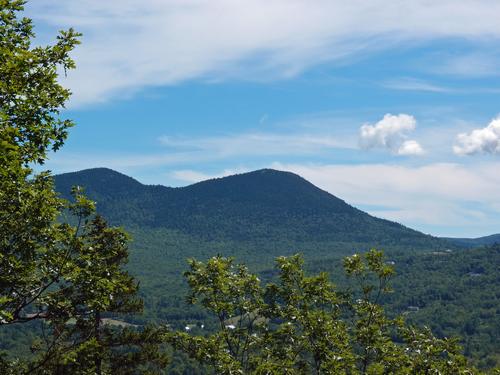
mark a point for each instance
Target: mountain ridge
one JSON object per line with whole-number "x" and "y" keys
{"x": 261, "y": 204}
{"x": 475, "y": 242}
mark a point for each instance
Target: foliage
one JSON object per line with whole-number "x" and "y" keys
{"x": 30, "y": 96}
{"x": 66, "y": 277}
{"x": 30, "y": 100}
{"x": 303, "y": 324}
{"x": 96, "y": 286}
{"x": 454, "y": 293}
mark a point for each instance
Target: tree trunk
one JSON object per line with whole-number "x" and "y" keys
{"x": 98, "y": 359}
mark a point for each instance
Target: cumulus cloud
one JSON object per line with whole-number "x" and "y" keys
{"x": 479, "y": 141}
{"x": 130, "y": 44}
{"x": 410, "y": 148}
{"x": 391, "y": 133}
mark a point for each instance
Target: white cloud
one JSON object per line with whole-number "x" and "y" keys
{"x": 412, "y": 84}
{"x": 391, "y": 133}
{"x": 130, "y": 44}
{"x": 410, "y": 148}
{"x": 194, "y": 150}
{"x": 485, "y": 140}
{"x": 470, "y": 65}
{"x": 192, "y": 176}
{"x": 258, "y": 144}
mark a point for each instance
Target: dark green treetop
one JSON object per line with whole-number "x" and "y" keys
{"x": 30, "y": 96}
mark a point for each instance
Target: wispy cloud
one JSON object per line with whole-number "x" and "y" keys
{"x": 258, "y": 144}
{"x": 129, "y": 45}
{"x": 413, "y": 84}
{"x": 391, "y": 133}
{"x": 471, "y": 65}
{"x": 188, "y": 150}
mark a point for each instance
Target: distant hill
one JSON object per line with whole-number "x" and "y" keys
{"x": 475, "y": 242}
{"x": 265, "y": 204}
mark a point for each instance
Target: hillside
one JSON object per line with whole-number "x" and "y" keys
{"x": 265, "y": 204}
{"x": 475, "y": 242}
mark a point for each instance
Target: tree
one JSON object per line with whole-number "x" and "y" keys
{"x": 304, "y": 325}
{"x": 30, "y": 102}
{"x": 66, "y": 276}
{"x": 95, "y": 288}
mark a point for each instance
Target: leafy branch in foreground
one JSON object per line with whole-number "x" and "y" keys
{"x": 303, "y": 325}
{"x": 65, "y": 277}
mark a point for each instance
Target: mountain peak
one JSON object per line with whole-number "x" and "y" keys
{"x": 263, "y": 175}
{"x": 272, "y": 172}
{"x": 272, "y": 188}
{"x": 96, "y": 180}
{"x": 100, "y": 172}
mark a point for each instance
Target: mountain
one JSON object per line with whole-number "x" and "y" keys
{"x": 264, "y": 204}
{"x": 475, "y": 242}
{"x": 260, "y": 215}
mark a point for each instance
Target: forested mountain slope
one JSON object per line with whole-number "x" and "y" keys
{"x": 265, "y": 204}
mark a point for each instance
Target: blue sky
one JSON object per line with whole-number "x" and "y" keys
{"x": 389, "y": 105}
